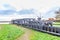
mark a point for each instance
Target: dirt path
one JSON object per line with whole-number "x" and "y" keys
{"x": 26, "y": 35}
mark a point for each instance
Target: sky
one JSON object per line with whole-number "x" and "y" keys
{"x": 37, "y": 6}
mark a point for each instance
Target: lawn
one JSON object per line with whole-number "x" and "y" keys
{"x": 9, "y": 32}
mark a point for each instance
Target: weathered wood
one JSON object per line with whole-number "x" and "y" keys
{"x": 38, "y": 26}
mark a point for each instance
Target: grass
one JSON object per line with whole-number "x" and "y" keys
{"x": 9, "y": 32}
{"x": 56, "y": 24}
{"x": 44, "y": 36}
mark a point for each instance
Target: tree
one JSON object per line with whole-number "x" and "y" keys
{"x": 57, "y": 15}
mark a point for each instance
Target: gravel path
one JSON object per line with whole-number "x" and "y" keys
{"x": 26, "y": 35}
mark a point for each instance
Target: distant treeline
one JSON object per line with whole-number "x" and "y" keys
{"x": 57, "y": 20}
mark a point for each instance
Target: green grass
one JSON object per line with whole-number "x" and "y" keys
{"x": 42, "y": 36}
{"x": 56, "y": 24}
{"x": 9, "y": 32}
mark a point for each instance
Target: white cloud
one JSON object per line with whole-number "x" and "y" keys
{"x": 16, "y": 16}
{"x": 40, "y": 5}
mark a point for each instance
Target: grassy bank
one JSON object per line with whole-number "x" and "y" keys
{"x": 9, "y": 32}
{"x": 42, "y": 36}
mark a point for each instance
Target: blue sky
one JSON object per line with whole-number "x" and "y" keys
{"x": 13, "y": 9}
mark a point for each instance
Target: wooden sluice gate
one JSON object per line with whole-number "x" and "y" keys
{"x": 37, "y": 25}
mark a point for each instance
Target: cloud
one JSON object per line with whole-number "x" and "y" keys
{"x": 26, "y": 11}
{"x": 40, "y": 5}
{"x": 7, "y": 12}
{"x": 15, "y": 16}
{"x": 8, "y": 7}
{"x": 51, "y": 12}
